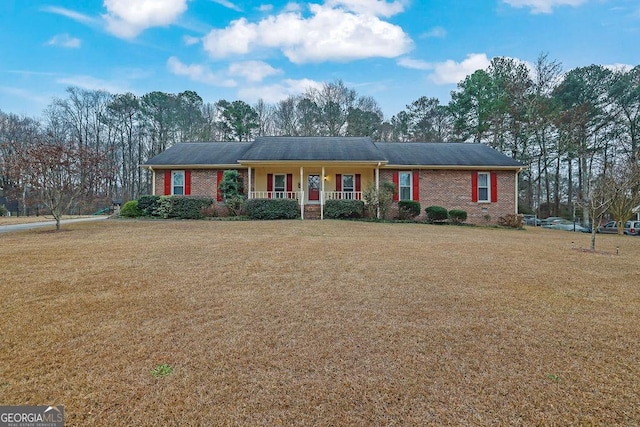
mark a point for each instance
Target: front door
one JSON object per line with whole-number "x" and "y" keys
{"x": 313, "y": 187}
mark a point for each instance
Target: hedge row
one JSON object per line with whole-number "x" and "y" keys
{"x": 440, "y": 214}
{"x": 179, "y": 207}
{"x": 334, "y": 209}
{"x": 272, "y": 209}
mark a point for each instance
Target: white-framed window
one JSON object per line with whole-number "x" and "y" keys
{"x": 348, "y": 185}
{"x": 177, "y": 183}
{"x": 484, "y": 187}
{"x": 279, "y": 185}
{"x": 404, "y": 186}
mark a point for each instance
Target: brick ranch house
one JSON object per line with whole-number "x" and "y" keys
{"x": 472, "y": 177}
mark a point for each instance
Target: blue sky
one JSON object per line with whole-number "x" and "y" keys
{"x": 394, "y": 51}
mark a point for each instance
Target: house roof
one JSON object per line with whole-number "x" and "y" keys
{"x": 444, "y": 154}
{"x": 200, "y": 154}
{"x": 332, "y": 149}
{"x": 340, "y": 149}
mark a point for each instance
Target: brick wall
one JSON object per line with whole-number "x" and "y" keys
{"x": 204, "y": 182}
{"x": 451, "y": 189}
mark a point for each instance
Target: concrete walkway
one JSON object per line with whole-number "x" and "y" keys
{"x": 29, "y": 226}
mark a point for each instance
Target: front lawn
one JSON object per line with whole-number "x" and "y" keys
{"x": 320, "y": 323}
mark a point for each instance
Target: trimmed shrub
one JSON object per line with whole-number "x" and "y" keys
{"x": 181, "y": 207}
{"x": 408, "y": 209}
{"x": 334, "y": 209}
{"x": 272, "y": 209}
{"x": 436, "y": 214}
{"x": 148, "y": 205}
{"x": 457, "y": 216}
{"x": 511, "y": 221}
{"x": 3, "y": 210}
{"x": 130, "y": 209}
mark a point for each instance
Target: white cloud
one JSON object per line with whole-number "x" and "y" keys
{"x": 368, "y": 7}
{"x": 253, "y": 71}
{"x": 265, "y": 8}
{"x": 128, "y": 18}
{"x": 228, "y": 5}
{"x": 76, "y": 16}
{"x": 190, "y": 40}
{"x": 415, "y": 64}
{"x": 198, "y": 73}
{"x": 330, "y": 33}
{"x": 93, "y": 83}
{"x": 435, "y": 32}
{"x": 543, "y": 6}
{"x": 619, "y": 67}
{"x": 64, "y": 40}
{"x": 277, "y": 92}
{"x": 450, "y": 72}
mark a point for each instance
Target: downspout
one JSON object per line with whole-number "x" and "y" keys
{"x": 301, "y": 192}
{"x": 322, "y": 195}
{"x": 517, "y": 190}
{"x": 378, "y": 188}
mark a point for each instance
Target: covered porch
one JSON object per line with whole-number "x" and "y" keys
{"x": 311, "y": 185}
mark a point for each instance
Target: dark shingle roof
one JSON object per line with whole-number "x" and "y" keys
{"x": 444, "y": 154}
{"x": 201, "y": 153}
{"x": 313, "y": 148}
{"x": 336, "y": 149}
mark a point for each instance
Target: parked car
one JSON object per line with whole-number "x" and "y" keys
{"x": 532, "y": 220}
{"x": 632, "y": 228}
{"x": 567, "y": 226}
{"x": 609, "y": 228}
{"x": 551, "y": 220}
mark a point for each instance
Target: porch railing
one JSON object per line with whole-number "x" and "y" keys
{"x": 297, "y": 195}
{"x": 343, "y": 195}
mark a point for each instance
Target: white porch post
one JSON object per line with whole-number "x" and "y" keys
{"x": 301, "y": 192}
{"x": 249, "y": 184}
{"x": 322, "y": 194}
{"x": 378, "y": 188}
{"x": 153, "y": 182}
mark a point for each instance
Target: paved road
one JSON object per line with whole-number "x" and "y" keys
{"x": 18, "y": 227}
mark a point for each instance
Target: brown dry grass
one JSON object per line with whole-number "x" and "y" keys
{"x": 320, "y": 323}
{"x": 10, "y": 220}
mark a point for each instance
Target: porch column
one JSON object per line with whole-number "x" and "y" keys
{"x": 153, "y": 182}
{"x": 378, "y": 188}
{"x": 322, "y": 194}
{"x": 301, "y": 192}
{"x": 249, "y": 184}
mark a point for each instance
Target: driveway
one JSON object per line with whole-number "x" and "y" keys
{"x": 29, "y": 226}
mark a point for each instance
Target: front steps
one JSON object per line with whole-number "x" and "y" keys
{"x": 311, "y": 211}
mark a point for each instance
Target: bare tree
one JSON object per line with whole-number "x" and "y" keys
{"x": 53, "y": 174}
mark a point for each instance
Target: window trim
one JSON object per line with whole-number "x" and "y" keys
{"x": 173, "y": 182}
{"x": 279, "y": 193}
{"x": 488, "y": 187}
{"x": 400, "y": 186}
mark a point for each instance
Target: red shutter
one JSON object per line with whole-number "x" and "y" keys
{"x": 219, "y": 194}
{"x": 167, "y": 183}
{"x": 269, "y": 184}
{"x": 289, "y": 182}
{"x": 187, "y": 183}
{"x": 396, "y": 182}
{"x": 474, "y": 186}
{"x": 416, "y": 185}
{"x": 338, "y": 182}
{"x": 494, "y": 187}
{"x": 358, "y": 186}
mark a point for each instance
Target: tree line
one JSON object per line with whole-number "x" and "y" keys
{"x": 568, "y": 128}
